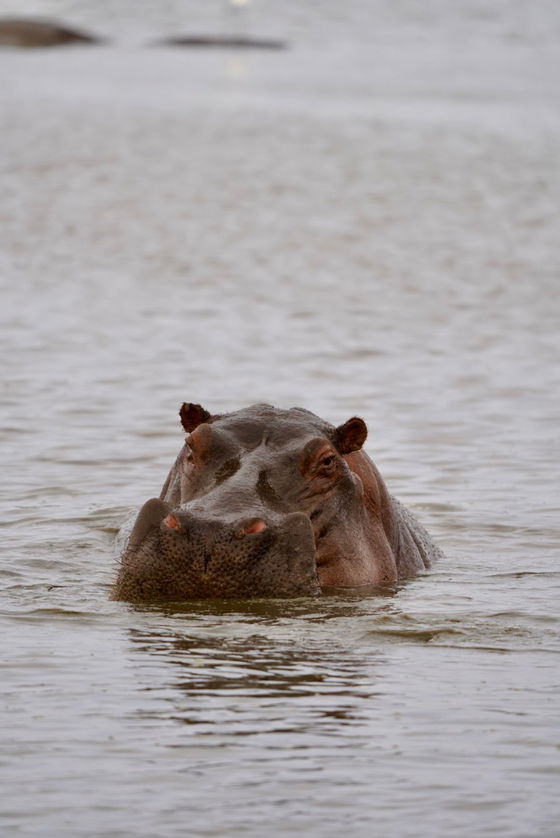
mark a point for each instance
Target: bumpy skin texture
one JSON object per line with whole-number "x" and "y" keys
{"x": 161, "y": 564}
{"x": 266, "y": 503}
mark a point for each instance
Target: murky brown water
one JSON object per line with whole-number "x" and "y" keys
{"x": 367, "y": 224}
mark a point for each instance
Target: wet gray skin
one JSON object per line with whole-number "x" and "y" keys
{"x": 267, "y": 503}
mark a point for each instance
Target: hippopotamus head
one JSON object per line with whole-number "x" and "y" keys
{"x": 247, "y": 508}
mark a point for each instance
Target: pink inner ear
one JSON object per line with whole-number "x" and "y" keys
{"x": 350, "y": 436}
{"x": 193, "y": 415}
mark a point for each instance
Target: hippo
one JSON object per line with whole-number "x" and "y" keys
{"x": 26, "y": 32}
{"x": 268, "y": 502}
{"x": 221, "y": 42}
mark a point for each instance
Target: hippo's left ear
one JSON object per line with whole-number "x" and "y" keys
{"x": 192, "y": 415}
{"x": 350, "y": 436}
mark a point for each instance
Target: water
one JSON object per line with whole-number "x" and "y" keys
{"x": 366, "y": 224}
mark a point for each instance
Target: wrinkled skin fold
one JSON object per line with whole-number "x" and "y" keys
{"x": 266, "y": 502}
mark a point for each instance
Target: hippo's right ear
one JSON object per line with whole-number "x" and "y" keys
{"x": 192, "y": 415}
{"x": 350, "y": 436}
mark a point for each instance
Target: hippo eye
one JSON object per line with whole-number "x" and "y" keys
{"x": 327, "y": 463}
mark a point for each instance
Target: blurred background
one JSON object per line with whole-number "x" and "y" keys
{"x": 362, "y": 223}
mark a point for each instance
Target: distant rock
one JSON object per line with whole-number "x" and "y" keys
{"x": 26, "y": 32}
{"x": 221, "y": 41}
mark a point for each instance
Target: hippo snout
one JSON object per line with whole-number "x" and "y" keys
{"x": 183, "y": 523}
{"x": 176, "y": 554}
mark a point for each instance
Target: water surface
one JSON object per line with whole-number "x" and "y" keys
{"x": 366, "y": 224}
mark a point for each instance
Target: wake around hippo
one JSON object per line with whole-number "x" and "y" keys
{"x": 265, "y": 502}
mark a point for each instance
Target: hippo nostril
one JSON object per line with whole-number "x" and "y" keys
{"x": 172, "y": 522}
{"x": 252, "y": 527}
{"x": 257, "y": 526}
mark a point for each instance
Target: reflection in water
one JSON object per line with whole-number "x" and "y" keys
{"x": 268, "y": 668}
{"x": 228, "y": 685}
{"x": 336, "y": 699}
{"x": 268, "y": 703}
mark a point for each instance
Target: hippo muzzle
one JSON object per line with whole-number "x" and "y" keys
{"x": 173, "y": 554}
